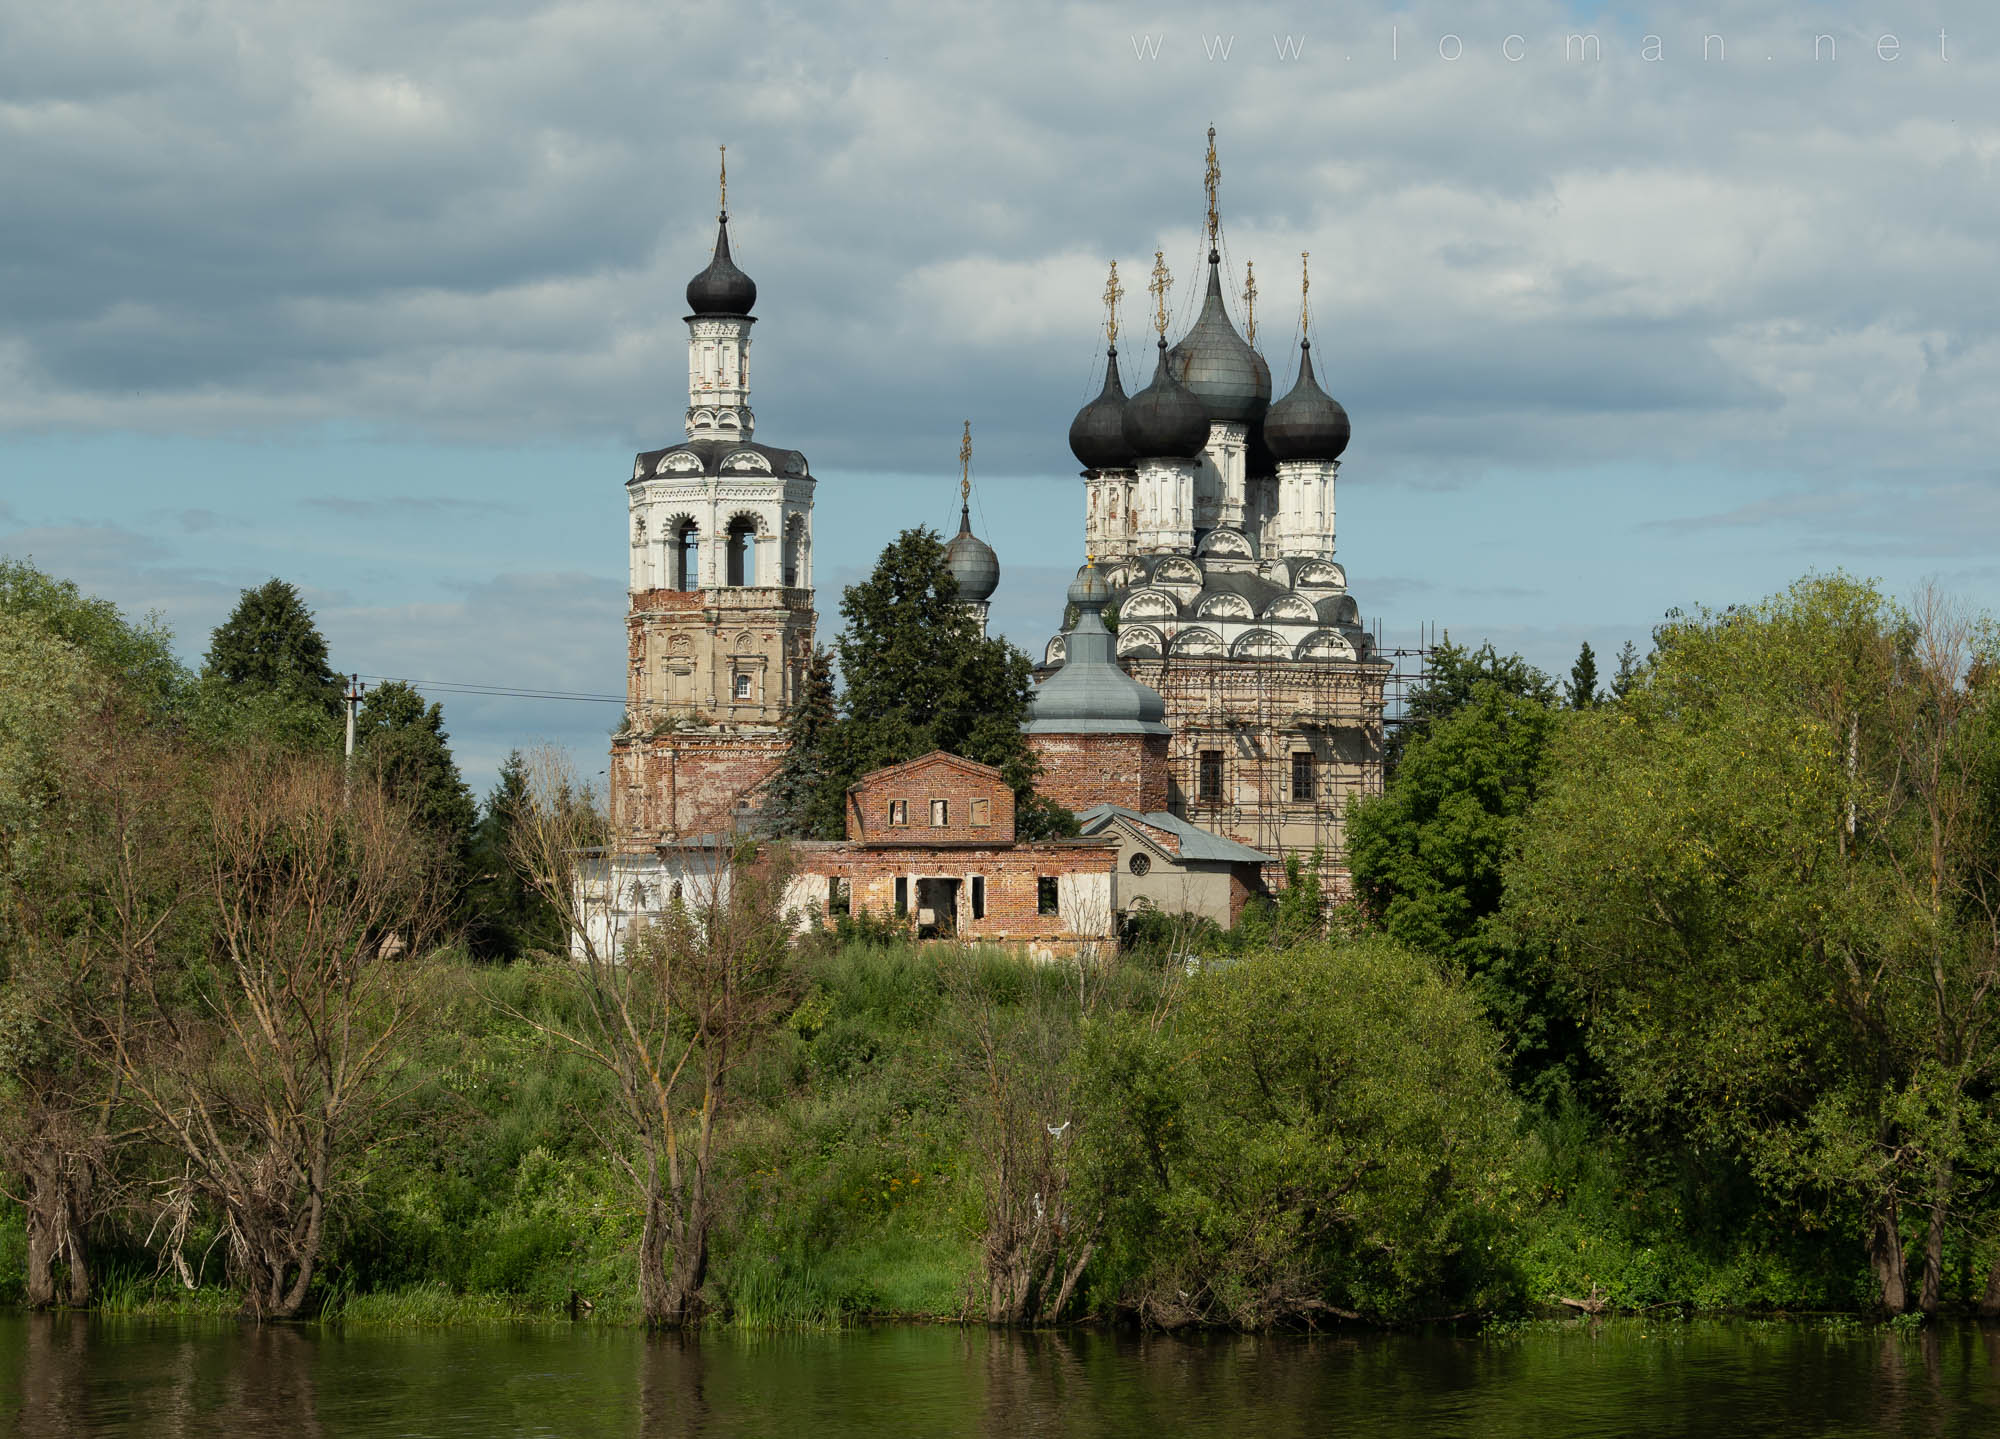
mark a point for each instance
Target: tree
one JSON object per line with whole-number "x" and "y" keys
{"x": 506, "y": 918}
{"x": 1629, "y": 666}
{"x": 919, "y": 676}
{"x": 1773, "y": 875}
{"x": 801, "y": 791}
{"x": 1319, "y": 1132}
{"x": 401, "y": 743}
{"x": 1429, "y": 857}
{"x": 1581, "y": 691}
{"x": 1450, "y": 675}
{"x": 667, "y": 1013}
{"x": 138, "y": 657}
{"x": 269, "y": 645}
{"x": 263, "y": 1056}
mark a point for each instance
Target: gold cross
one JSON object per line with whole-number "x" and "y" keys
{"x": 1305, "y": 289}
{"x": 725, "y": 178}
{"x": 1210, "y": 179}
{"x": 1113, "y": 293}
{"x": 1250, "y": 300}
{"x": 965, "y": 467}
{"x": 1162, "y": 277}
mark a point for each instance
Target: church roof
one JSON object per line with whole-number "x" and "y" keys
{"x": 1308, "y": 424}
{"x": 1097, "y": 434}
{"x": 716, "y": 456}
{"x": 1090, "y": 694}
{"x": 972, "y": 562}
{"x": 721, "y": 289}
{"x": 1230, "y": 379}
{"x": 1192, "y": 841}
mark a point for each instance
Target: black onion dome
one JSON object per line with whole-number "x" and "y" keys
{"x": 972, "y": 562}
{"x": 1308, "y": 424}
{"x": 1165, "y": 420}
{"x": 1097, "y": 434}
{"x": 1229, "y": 378}
{"x": 721, "y": 289}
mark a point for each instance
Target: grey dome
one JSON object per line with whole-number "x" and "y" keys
{"x": 1229, "y": 378}
{"x": 1165, "y": 420}
{"x": 972, "y": 562}
{"x": 721, "y": 289}
{"x": 1097, "y": 434}
{"x": 1090, "y": 694}
{"x": 1308, "y": 424}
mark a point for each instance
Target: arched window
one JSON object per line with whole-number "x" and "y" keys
{"x": 687, "y": 556}
{"x": 742, "y": 537}
{"x": 795, "y": 544}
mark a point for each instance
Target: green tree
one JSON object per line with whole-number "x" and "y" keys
{"x": 1629, "y": 666}
{"x": 1322, "y": 1131}
{"x": 270, "y": 645}
{"x": 800, "y": 793}
{"x": 1581, "y": 691}
{"x": 918, "y": 675}
{"x": 401, "y": 742}
{"x": 1773, "y": 874}
{"x": 1451, "y": 674}
{"x": 139, "y": 656}
{"x": 1429, "y": 857}
{"x": 506, "y": 917}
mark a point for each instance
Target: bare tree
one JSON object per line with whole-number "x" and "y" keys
{"x": 265, "y": 1054}
{"x": 106, "y": 887}
{"x": 667, "y": 1007}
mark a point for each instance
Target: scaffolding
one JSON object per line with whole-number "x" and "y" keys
{"x": 1257, "y": 715}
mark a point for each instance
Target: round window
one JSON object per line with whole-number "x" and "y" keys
{"x": 1139, "y": 863}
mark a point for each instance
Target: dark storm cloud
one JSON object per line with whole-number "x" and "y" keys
{"x": 474, "y": 222}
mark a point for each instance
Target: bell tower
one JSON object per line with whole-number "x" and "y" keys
{"x": 721, "y": 611}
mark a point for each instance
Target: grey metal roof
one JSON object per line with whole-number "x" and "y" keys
{"x": 721, "y": 289}
{"x": 1229, "y": 378}
{"x": 712, "y": 453}
{"x": 1165, "y": 420}
{"x": 1090, "y": 694}
{"x": 972, "y": 561}
{"x": 1097, "y": 434}
{"x": 1196, "y": 842}
{"x": 1308, "y": 424}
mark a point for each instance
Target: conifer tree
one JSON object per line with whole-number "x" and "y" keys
{"x": 798, "y": 791}
{"x": 506, "y": 916}
{"x": 270, "y": 645}
{"x": 402, "y": 743}
{"x": 1581, "y": 691}
{"x": 1628, "y": 671}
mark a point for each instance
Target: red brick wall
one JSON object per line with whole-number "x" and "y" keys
{"x": 1012, "y": 875}
{"x": 1081, "y": 770}
{"x": 956, "y": 782}
{"x": 686, "y": 783}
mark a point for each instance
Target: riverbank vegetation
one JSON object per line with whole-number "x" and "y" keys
{"x": 1679, "y": 994}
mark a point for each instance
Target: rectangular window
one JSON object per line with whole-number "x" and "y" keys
{"x": 743, "y": 687}
{"x": 982, "y": 811}
{"x": 979, "y": 896}
{"x": 902, "y": 894}
{"x": 899, "y": 811}
{"x": 1046, "y": 891}
{"x": 1208, "y": 782}
{"x": 940, "y": 814}
{"x": 1302, "y": 775}
{"x": 838, "y": 900}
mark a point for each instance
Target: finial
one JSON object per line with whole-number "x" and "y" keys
{"x": 1162, "y": 277}
{"x": 725, "y": 180}
{"x": 1250, "y": 300}
{"x": 965, "y": 469}
{"x": 1305, "y": 289}
{"x": 1113, "y": 293}
{"x": 1209, "y": 180}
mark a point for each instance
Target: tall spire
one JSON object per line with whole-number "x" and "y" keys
{"x": 1113, "y": 293}
{"x": 1250, "y": 301}
{"x": 1211, "y": 179}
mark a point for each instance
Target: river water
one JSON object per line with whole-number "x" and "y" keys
{"x": 70, "y": 1375}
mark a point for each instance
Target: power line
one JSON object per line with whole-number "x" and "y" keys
{"x": 499, "y": 691}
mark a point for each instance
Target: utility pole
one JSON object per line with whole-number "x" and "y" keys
{"x": 355, "y": 689}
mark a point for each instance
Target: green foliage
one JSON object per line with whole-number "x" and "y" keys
{"x": 138, "y": 657}
{"x": 270, "y": 645}
{"x": 401, "y": 743}
{"x": 1630, "y": 669}
{"x": 1320, "y": 1132}
{"x": 1452, "y": 675}
{"x": 917, "y": 676}
{"x": 506, "y": 917}
{"x": 1581, "y": 691}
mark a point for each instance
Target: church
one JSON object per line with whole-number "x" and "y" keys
{"x": 1207, "y": 710}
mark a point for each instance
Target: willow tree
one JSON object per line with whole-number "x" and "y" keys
{"x": 1773, "y": 873}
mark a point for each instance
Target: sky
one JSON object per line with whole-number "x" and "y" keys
{"x": 382, "y": 299}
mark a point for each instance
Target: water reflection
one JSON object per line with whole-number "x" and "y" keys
{"x": 71, "y": 1376}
